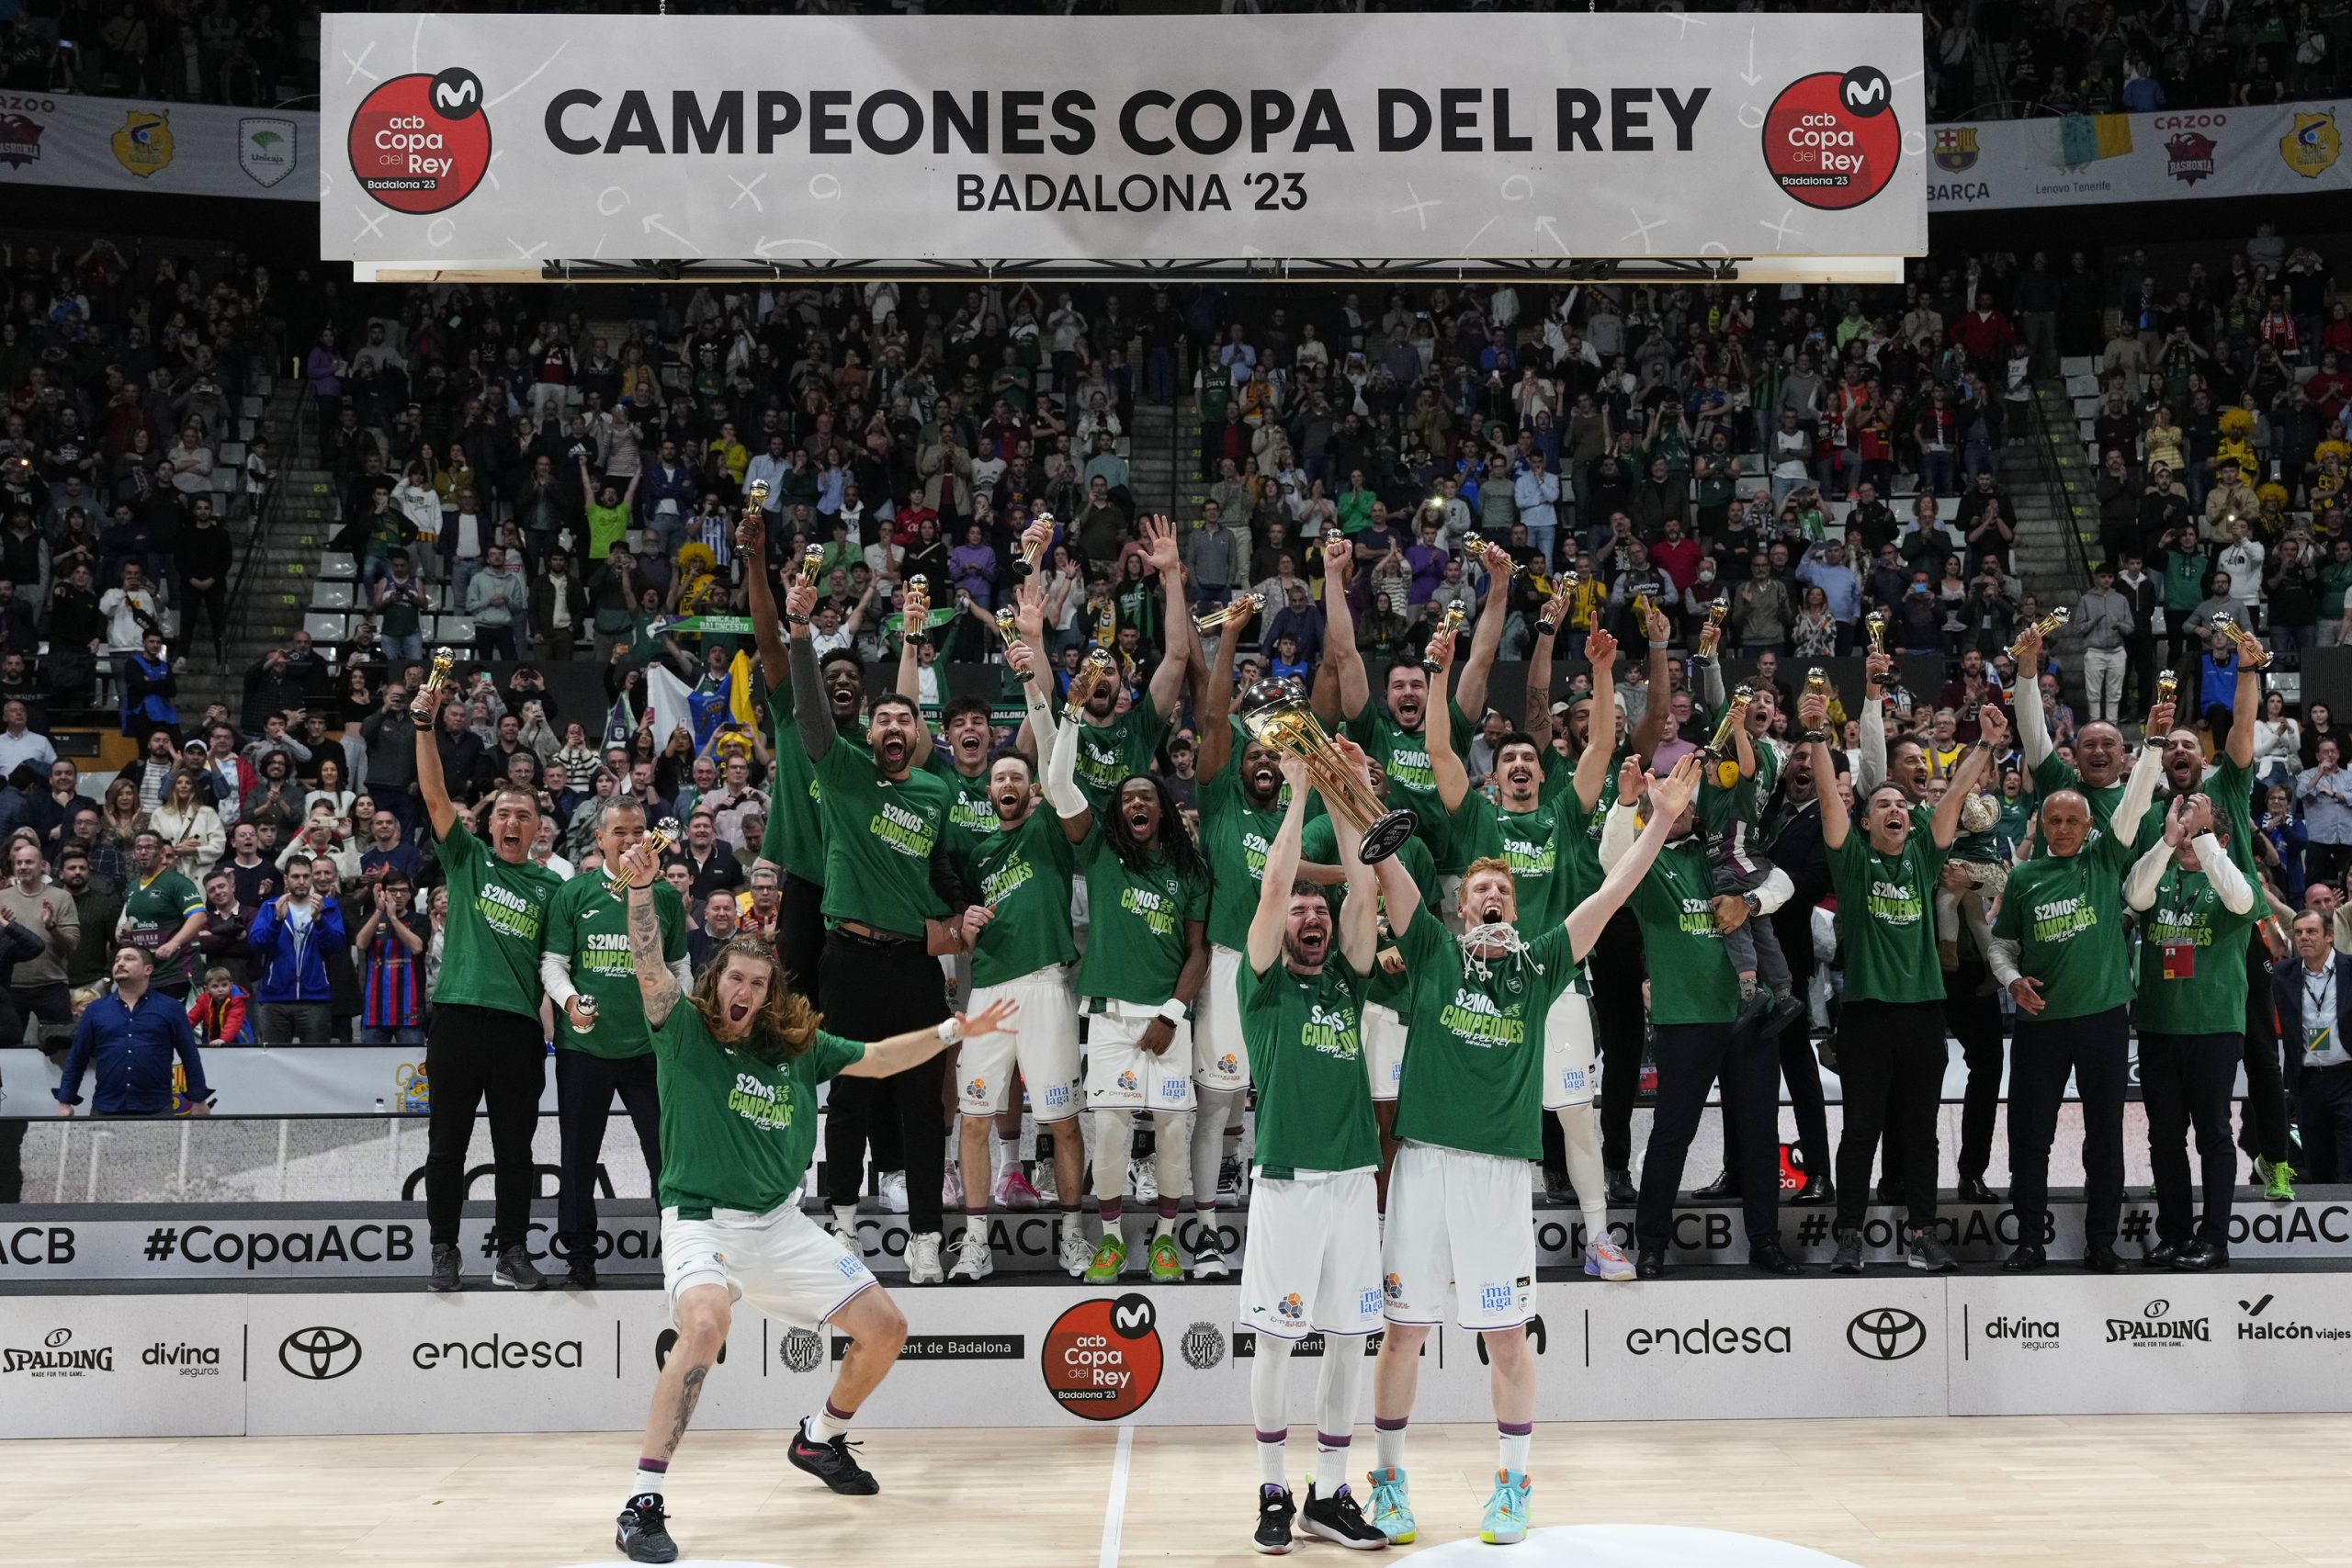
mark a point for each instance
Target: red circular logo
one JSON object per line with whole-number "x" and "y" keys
{"x": 1832, "y": 141}
{"x": 1102, "y": 1359}
{"x": 421, "y": 143}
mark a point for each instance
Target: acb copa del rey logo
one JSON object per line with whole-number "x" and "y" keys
{"x": 1832, "y": 140}
{"x": 421, "y": 143}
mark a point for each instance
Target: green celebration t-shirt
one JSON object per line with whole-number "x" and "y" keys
{"x": 1236, "y": 836}
{"x": 737, "y": 1132}
{"x": 2231, "y": 789}
{"x": 607, "y": 525}
{"x": 1023, "y": 873}
{"x": 1474, "y": 1078}
{"x": 151, "y": 913}
{"x": 1533, "y": 843}
{"x": 1319, "y": 843}
{"x": 1691, "y": 978}
{"x": 1109, "y": 752}
{"x": 1580, "y": 829}
{"x": 878, "y": 834}
{"x": 1306, "y": 1041}
{"x": 490, "y": 950}
{"x": 2066, "y": 917}
{"x": 1404, "y": 754}
{"x": 1886, "y": 927}
{"x": 589, "y": 926}
{"x": 970, "y": 809}
{"x": 2192, "y": 959}
{"x": 1135, "y": 934}
{"x": 794, "y": 839}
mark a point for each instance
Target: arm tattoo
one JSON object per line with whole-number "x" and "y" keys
{"x": 687, "y": 1396}
{"x": 654, "y": 983}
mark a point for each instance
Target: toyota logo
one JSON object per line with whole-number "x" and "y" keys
{"x": 319, "y": 1355}
{"x": 1886, "y": 1334}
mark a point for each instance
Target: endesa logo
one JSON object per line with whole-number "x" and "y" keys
{"x": 1102, "y": 1358}
{"x": 421, "y": 143}
{"x": 1833, "y": 140}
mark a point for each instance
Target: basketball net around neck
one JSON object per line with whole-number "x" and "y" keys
{"x": 1476, "y": 960}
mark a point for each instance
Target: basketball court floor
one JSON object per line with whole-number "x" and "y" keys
{"x": 2104, "y": 1492}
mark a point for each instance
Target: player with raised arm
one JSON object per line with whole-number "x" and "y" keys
{"x": 1116, "y": 745}
{"x": 1532, "y": 837}
{"x": 1022, "y": 950}
{"x": 1147, "y": 958}
{"x": 1312, "y": 1259}
{"x": 486, "y": 1042}
{"x": 1461, "y": 1213}
{"x": 739, "y": 1060}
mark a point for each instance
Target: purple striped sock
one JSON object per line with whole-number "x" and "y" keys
{"x": 1110, "y": 1213}
{"x": 1383, "y": 1424}
{"x": 654, "y": 1466}
{"x": 1325, "y": 1440}
{"x": 1168, "y": 1208}
{"x": 1508, "y": 1429}
{"x": 1280, "y": 1437}
{"x": 838, "y": 1414}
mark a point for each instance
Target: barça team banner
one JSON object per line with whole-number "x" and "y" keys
{"x": 496, "y": 139}
{"x": 2279, "y": 150}
{"x": 129, "y": 144}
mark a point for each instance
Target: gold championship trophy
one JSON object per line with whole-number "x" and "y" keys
{"x": 1475, "y": 547}
{"x": 812, "y": 565}
{"x": 2252, "y": 655}
{"x": 1875, "y": 624}
{"x": 1710, "y": 635}
{"x": 1239, "y": 607}
{"x": 2048, "y": 627}
{"x": 1093, "y": 672}
{"x": 1816, "y": 683}
{"x": 755, "y": 501}
{"x": 1032, "y": 548}
{"x": 1719, "y": 750}
{"x": 420, "y": 705}
{"x": 1107, "y": 624}
{"x": 1449, "y": 626}
{"x": 2167, "y": 686}
{"x": 1006, "y": 629}
{"x": 661, "y": 839}
{"x": 1275, "y": 714}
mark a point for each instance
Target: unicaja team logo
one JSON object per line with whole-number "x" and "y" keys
{"x": 1833, "y": 140}
{"x": 421, "y": 143}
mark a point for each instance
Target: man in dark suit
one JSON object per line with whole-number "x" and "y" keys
{"x": 1797, "y": 851}
{"x": 2313, "y": 990}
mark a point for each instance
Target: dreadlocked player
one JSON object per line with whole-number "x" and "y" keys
{"x": 1461, "y": 1213}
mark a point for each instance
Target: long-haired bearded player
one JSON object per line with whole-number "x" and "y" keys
{"x": 1147, "y": 956}
{"x": 738, "y": 1068}
{"x": 1461, "y": 1212}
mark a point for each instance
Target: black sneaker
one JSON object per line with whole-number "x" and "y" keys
{"x": 1558, "y": 1189}
{"x": 1927, "y": 1253}
{"x": 515, "y": 1271}
{"x": 445, "y": 1267}
{"x": 644, "y": 1532}
{"x": 581, "y": 1275}
{"x": 831, "y": 1462}
{"x": 1338, "y": 1519}
{"x": 1275, "y": 1511}
{"x": 1649, "y": 1263}
{"x": 1849, "y": 1259}
{"x": 1622, "y": 1193}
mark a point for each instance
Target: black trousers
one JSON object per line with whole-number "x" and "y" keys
{"x": 1891, "y": 1059}
{"x": 1690, "y": 1057}
{"x": 1617, "y": 1025}
{"x": 52, "y": 1003}
{"x": 2323, "y": 1110}
{"x": 584, "y": 1087}
{"x": 1792, "y": 1059}
{"x": 2185, "y": 1081}
{"x": 1800, "y": 1068}
{"x": 473, "y": 1054}
{"x": 879, "y": 989}
{"x": 201, "y": 602}
{"x": 800, "y": 933}
{"x": 2093, "y": 1050}
{"x": 2262, "y": 1121}
{"x": 1973, "y": 1014}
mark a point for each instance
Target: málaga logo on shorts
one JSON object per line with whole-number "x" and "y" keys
{"x": 421, "y": 143}
{"x": 1833, "y": 140}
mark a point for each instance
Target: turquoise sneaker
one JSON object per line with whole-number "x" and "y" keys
{"x": 1505, "y": 1521}
{"x": 1391, "y": 1512}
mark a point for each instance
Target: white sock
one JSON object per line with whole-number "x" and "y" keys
{"x": 1514, "y": 1447}
{"x": 1389, "y": 1443}
{"x": 1073, "y": 1221}
{"x": 828, "y": 1423}
{"x": 650, "y": 1481}
{"x": 845, "y": 1218}
{"x": 1164, "y": 1224}
{"x": 1273, "y": 1459}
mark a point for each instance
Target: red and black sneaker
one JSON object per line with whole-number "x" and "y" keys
{"x": 832, "y": 1462}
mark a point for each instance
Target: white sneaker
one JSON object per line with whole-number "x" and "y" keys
{"x": 1013, "y": 1191}
{"x": 1076, "y": 1252}
{"x": 922, "y": 1259}
{"x": 1048, "y": 1192}
{"x": 951, "y": 1187}
{"x": 1143, "y": 1183}
{"x": 1229, "y": 1180}
{"x": 894, "y": 1192}
{"x": 1208, "y": 1261}
{"x": 973, "y": 1258}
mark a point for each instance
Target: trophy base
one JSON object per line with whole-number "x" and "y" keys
{"x": 1386, "y": 836}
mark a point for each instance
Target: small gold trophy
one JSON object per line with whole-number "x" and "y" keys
{"x": 1874, "y": 624}
{"x": 1093, "y": 672}
{"x": 1816, "y": 683}
{"x": 1719, "y": 749}
{"x": 1449, "y": 626}
{"x": 2252, "y": 655}
{"x": 812, "y": 565}
{"x": 1275, "y": 714}
{"x": 1039, "y": 534}
{"x": 1106, "y": 622}
{"x": 1240, "y": 607}
{"x": 2048, "y": 627}
{"x": 2167, "y": 686}
{"x": 1710, "y": 635}
{"x": 660, "y": 839}
{"x": 420, "y": 706}
{"x": 750, "y": 530}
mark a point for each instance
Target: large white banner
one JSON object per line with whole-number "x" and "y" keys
{"x": 138, "y": 144}
{"x": 499, "y": 140}
{"x": 2086, "y": 159}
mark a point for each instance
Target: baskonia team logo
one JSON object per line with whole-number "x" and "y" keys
{"x": 1833, "y": 140}
{"x": 421, "y": 143}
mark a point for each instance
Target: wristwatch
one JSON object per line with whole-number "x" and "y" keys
{"x": 1755, "y": 905}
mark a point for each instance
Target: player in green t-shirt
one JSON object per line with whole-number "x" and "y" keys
{"x": 603, "y": 1046}
{"x": 1537, "y": 840}
{"x": 2196, "y": 905}
{"x": 1147, "y": 958}
{"x": 1461, "y": 1212}
{"x": 738, "y": 1061}
{"x": 1311, "y": 1262}
{"x": 486, "y": 1042}
{"x": 2059, "y": 950}
{"x": 1392, "y": 729}
{"x": 2101, "y": 757}
{"x": 1893, "y": 1049}
{"x": 163, "y": 912}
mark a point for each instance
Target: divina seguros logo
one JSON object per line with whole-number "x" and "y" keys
{"x": 421, "y": 143}
{"x": 1832, "y": 141}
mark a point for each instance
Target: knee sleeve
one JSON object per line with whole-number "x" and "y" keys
{"x": 1208, "y": 1142}
{"x": 1341, "y": 1386}
{"x": 1267, "y": 1375}
{"x": 1172, "y": 1154}
{"x": 1110, "y": 1145}
{"x": 1580, "y": 1131}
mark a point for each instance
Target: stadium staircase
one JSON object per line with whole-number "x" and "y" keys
{"x": 277, "y": 571}
{"x": 2047, "y": 470}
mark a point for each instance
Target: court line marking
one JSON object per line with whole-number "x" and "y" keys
{"x": 1115, "y": 1507}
